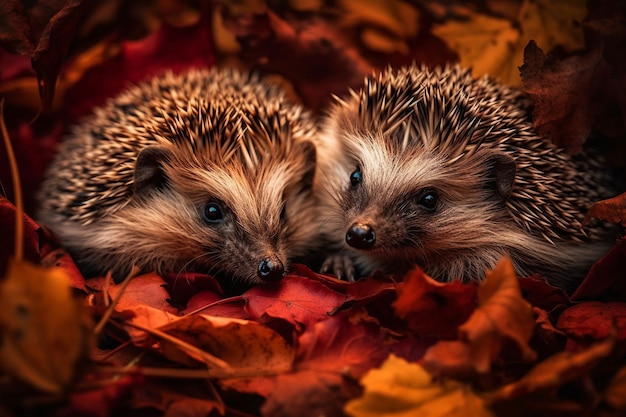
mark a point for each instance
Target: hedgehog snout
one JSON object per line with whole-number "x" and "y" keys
{"x": 271, "y": 269}
{"x": 361, "y": 236}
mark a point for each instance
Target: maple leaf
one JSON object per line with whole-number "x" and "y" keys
{"x": 495, "y": 46}
{"x": 431, "y": 307}
{"x": 502, "y": 314}
{"x": 298, "y": 300}
{"x": 399, "y": 388}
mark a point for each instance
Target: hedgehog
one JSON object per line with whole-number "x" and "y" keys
{"x": 207, "y": 171}
{"x": 434, "y": 168}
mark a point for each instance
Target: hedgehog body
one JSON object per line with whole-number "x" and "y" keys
{"x": 435, "y": 168}
{"x": 208, "y": 170}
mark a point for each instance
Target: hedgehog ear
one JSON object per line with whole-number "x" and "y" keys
{"x": 310, "y": 157}
{"x": 502, "y": 171}
{"x": 149, "y": 173}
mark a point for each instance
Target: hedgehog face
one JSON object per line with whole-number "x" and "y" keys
{"x": 416, "y": 207}
{"x": 228, "y": 218}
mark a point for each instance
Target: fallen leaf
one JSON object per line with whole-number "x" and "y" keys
{"x": 399, "y": 388}
{"x": 502, "y": 314}
{"x": 144, "y": 290}
{"x": 15, "y": 28}
{"x": 308, "y": 394}
{"x": 249, "y": 348}
{"x": 554, "y": 372}
{"x": 612, "y": 210}
{"x": 59, "y": 258}
{"x": 593, "y": 321}
{"x": 45, "y": 331}
{"x": 431, "y": 307}
{"x": 540, "y": 293}
{"x": 349, "y": 343}
{"x": 298, "y": 300}
{"x": 178, "y": 398}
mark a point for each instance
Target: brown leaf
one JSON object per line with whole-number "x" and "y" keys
{"x": 502, "y": 315}
{"x": 431, "y": 307}
{"x": 247, "y": 347}
{"x": 612, "y": 210}
{"x": 555, "y": 371}
{"x": 561, "y": 91}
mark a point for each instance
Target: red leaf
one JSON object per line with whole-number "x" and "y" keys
{"x": 604, "y": 274}
{"x": 298, "y": 300}
{"x": 434, "y": 308}
{"x": 593, "y": 320}
{"x": 169, "y": 48}
{"x": 15, "y": 28}
{"x": 612, "y": 210}
{"x": 61, "y": 259}
{"x": 184, "y": 285}
{"x": 350, "y": 342}
{"x": 538, "y": 292}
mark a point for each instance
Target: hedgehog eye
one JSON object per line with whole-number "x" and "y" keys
{"x": 356, "y": 177}
{"x": 428, "y": 200}
{"x": 212, "y": 213}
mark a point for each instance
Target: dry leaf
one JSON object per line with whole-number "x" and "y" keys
{"x": 555, "y": 371}
{"x": 502, "y": 315}
{"x": 431, "y": 307}
{"x": 403, "y": 389}
{"x": 495, "y": 46}
{"x": 484, "y": 43}
{"x": 248, "y": 347}
{"x": 612, "y": 210}
{"x": 45, "y": 331}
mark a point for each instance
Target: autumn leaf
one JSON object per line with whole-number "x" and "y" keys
{"x": 612, "y": 210}
{"x": 593, "y": 320}
{"x": 484, "y": 43}
{"x": 555, "y": 371}
{"x": 295, "y": 299}
{"x": 502, "y": 314}
{"x": 399, "y": 388}
{"x": 431, "y": 307}
{"x": 606, "y": 276}
{"x": 495, "y": 46}
{"x": 45, "y": 330}
{"x": 247, "y": 347}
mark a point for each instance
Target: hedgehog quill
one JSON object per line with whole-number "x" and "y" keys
{"x": 435, "y": 168}
{"x": 209, "y": 170}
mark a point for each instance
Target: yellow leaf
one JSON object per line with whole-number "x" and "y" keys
{"x": 553, "y": 22}
{"x": 486, "y": 44}
{"x": 45, "y": 330}
{"x": 494, "y": 46}
{"x": 399, "y": 388}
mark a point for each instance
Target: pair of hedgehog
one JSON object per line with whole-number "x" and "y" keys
{"x": 217, "y": 171}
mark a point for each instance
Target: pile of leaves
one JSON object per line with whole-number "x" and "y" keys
{"x": 310, "y": 344}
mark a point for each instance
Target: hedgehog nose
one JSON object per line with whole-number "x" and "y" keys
{"x": 271, "y": 269}
{"x": 361, "y": 236}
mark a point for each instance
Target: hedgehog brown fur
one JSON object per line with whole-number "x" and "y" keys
{"x": 435, "y": 168}
{"x": 209, "y": 170}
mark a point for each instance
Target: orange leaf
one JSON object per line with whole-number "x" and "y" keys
{"x": 502, "y": 315}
